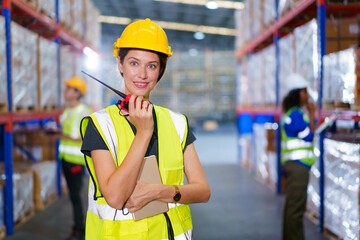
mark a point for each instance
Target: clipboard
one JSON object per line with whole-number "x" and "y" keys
{"x": 149, "y": 173}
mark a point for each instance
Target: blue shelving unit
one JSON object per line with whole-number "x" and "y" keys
{"x": 7, "y": 120}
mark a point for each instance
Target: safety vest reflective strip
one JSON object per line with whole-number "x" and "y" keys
{"x": 295, "y": 148}
{"x": 172, "y": 127}
{"x": 295, "y": 143}
{"x": 69, "y": 150}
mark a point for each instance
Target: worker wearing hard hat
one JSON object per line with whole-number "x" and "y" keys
{"x": 116, "y": 140}
{"x": 297, "y": 157}
{"x": 69, "y": 149}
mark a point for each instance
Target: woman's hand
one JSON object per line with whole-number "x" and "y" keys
{"x": 140, "y": 115}
{"x": 141, "y": 195}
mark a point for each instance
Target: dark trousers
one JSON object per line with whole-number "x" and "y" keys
{"x": 295, "y": 203}
{"x": 73, "y": 174}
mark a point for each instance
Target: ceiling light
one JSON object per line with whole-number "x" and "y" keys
{"x": 174, "y": 26}
{"x": 199, "y": 35}
{"x": 220, "y": 4}
{"x": 212, "y": 5}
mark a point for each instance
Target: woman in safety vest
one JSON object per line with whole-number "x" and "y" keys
{"x": 297, "y": 155}
{"x": 115, "y": 142}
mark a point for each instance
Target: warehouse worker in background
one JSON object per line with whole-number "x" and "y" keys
{"x": 69, "y": 149}
{"x": 297, "y": 156}
{"x": 116, "y": 142}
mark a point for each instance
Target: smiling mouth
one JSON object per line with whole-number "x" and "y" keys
{"x": 140, "y": 85}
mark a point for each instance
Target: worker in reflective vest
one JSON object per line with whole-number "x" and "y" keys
{"x": 69, "y": 149}
{"x": 297, "y": 154}
{"x": 116, "y": 140}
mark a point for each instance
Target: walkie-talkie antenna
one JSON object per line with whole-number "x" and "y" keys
{"x": 123, "y": 95}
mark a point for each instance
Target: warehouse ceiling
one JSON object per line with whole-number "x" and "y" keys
{"x": 168, "y": 11}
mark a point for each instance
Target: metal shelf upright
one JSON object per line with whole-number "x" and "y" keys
{"x": 55, "y": 32}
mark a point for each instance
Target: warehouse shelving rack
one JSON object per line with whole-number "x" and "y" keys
{"x": 24, "y": 14}
{"x": 283, "y": 25}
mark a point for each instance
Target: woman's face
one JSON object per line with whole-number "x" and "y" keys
{"x": 304, "y": 97}
{"x": 140, "y": 70}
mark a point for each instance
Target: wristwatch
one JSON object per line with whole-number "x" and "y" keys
{"x": 177, "y": 195}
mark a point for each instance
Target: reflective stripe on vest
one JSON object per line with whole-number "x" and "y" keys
{"x": 69, "y": 150}
{"x": 172, "y": 127}
{"x": 295, "y": 148}
{"x": 295, "y": 143}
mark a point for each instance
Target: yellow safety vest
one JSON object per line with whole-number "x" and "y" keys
{"x": 105, "y": 222}
{"x": 70, "y": 150}
{"x": 295, "y": 148}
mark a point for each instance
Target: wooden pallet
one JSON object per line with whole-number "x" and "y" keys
{"x": 4, "y": 108}
{"x": 2, "y": 232}
{"x": 25, "y": 218}
{"x": 48, "y": 108}
{"x": 25, "y": 109}
{"x": 43, "y": 205}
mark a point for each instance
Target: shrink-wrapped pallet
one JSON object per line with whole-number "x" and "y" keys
{"x": 47, "y": 7}
{"x": 269, "y": 12}
{"x": 47, "y": 73}
{"x": 243, "y": 84}
{"x": 256, "y": 79}
{"x": 92, "y": 26}
{"x": 67, "y": 68}
{"x": 3, "y": 72}
{"x": 65, "y": 14}
{"x": 306, "y": 52}
{"x": 23, "y": 186}
{"x": 341, "y": 74}
{"x": 242, "y": 28}
{"x": 342, "y": 164}
{"x": 44, "y": 183}
{"x": 256, "y": 19}
{"x": 78, "y": 18}
{"x": 24, "y": 60}
{"x": 269, "y": 75}
{"x": 286, "y": 62}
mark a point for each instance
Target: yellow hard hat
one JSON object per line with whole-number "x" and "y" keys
{"x": 143, "y": 34}
{"x": 78, "y": 83}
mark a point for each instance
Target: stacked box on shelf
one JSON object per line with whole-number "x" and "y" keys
{"x": 243, "y": 86}
{"x": 262, "y": 161}
{"x": 269, "y": 76}
{"x": 245, "y": 140}
{"x": 286, "y": 62}
{"x": 256, "y": 17}
{"x": 67, "y": 67}
{"x": 268, "y": 12}
{"x": 24, "y": 64}
{"x": 65, "y": 13}
{"x": 342, "y": 33}
{"x": 3, "y": 76}
{"x": 192, "y": 85}
{"x": 286, "y": 5}
{"x": 222, "y": 77}
{"x": 241, "y": 29}
{"x": 78, "y": 18}
{"x": 93, "y": 27}
{"x": 342, "y": 164}
{"x": 47, "y": 7}
{"x": 256, "y": 78}
{"x": 341, "y": 74}
{"x": 48, "y": 84}
{"x": 44, "y": 183}
{"x": 23, "y": 186}
{"x": 306, "y": 52}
